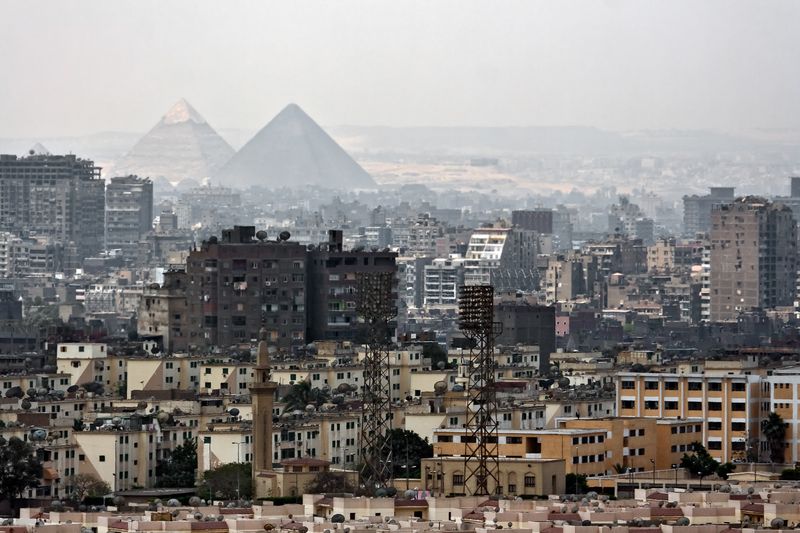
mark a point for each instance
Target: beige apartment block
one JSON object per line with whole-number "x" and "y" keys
{"x": 730, "y": 406}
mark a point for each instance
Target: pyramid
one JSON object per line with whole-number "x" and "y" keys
{"x": 292, "y": 150}
{"x": 39, "y": 149}
{"x": 182, "y": 145}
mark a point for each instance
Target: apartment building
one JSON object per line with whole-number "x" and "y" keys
{"x": 729, "y": 405}
{"x": 753, "y": 257}
{"x": 129, "y": 213}
{"x": 56, "y": 196}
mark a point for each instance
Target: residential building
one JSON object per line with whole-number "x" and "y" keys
{"x": 753, "y": 257}
{"x": 697, "y": 209}
{"x": 60, "y": 197}
{"x": 129, "y": 213}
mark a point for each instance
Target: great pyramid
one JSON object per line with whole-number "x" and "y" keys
{"x": 182, "y": 145}
{"x": 292, "y": 150}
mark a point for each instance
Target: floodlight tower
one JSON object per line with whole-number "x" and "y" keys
{"x": 481, "y": 457}
{"x": 375, "y": 305}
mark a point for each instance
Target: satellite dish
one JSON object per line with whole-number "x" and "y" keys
{"x": 284, "y": 235}
{"x": 213, "y": 240}
{"x": 261, "y": 235}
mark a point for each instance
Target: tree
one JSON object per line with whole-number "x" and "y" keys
{"x": 577, "y": 483}
{"x": 699, "y": 463}
{"x": 724, "y": 470}
{"x": 21, "y": 469}
{"x": 435, "y": 352}
{"x": 774, "y": 430}
{"x": 84, "y": 485}
{"x": 408, "y": 444}
{"x": 302, "y": 394}
{"x": 178, "y": 470}
{"x": 224, "y": 481}
{"x": 327, "y": 482}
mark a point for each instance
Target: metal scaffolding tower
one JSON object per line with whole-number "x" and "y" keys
{"x": 476, "y": 320}
{"x": 375, "y": 305}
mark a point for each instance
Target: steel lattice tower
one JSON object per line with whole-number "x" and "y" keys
{"x": 476, "y": 320}
{"x": 375, "y": 305}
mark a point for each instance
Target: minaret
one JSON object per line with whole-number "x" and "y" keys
{"x": 262, "y": 393}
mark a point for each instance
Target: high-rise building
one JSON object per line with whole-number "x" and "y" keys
{"x": 753, "y": 257}
{"x": 56, "y": 196}
{"x": 332, "y": 286}
{"x": 503, "y": 257}
{"x": 238, "y": 284}
{"x": 539, "y": 220}
{"x": 129, "y": 213}
{"x": 527, "y": 324}
{"x": 244, "y": 282}
{"x": 697, "y": 209}
{"x": 443, "y": 277}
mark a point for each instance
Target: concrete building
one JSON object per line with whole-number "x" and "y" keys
{"x": 60, "y": 197}
{"x": 129, "y": 213}
{"x": 163, "y": 312}
{"x": 332, "y": 284}
{"x": 528, "y": 325}
{"x": 503, "y": 257}
{"x": 237, "y": 285}
{"x": 443, "y": 277}
{"x": 697, "y": 209}
{"x": 538, "y": 220}
{"x": 753, "y": 257}
{"x": 728, "y": 406}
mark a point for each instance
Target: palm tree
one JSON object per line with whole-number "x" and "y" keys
{"x": 774, "y": 430}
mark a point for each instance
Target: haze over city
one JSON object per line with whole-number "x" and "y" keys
{"x": 92, "y": 66}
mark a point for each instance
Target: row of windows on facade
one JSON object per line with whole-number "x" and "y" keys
{"x": 691, "y": 385}
{"x": 691, "y": 406}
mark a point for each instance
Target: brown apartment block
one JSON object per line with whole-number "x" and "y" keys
{"x": 240, "y": 283}
{"x": 753, "y": 257}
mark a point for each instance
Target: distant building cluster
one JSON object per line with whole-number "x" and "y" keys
{"x": 145, "y": 320}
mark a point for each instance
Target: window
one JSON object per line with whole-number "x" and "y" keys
{"x": 695, "y": 385}
{"x": 671, "y": 405}
{"x": 628, "y": 385}
{"x": 651, "y": 404}
{"x": 651, "y": 385}
{"x": 530, "y": 481}
{"x": 739, "y": 406}
{"x": 738, "y": 426}
{"x": 102, "y": 458}
{"x": 714, "y": 386}
{"x": 670, "y": 385}
{"x": 714, "y": 426}
{"x": 714, "y": 406}
{"x": 628, "y": 404}
{"x": 695, "y": 406}
{"x": 714, "y": 445}
{"x": 458, "y": 480}
{"x": 737, "y": 387}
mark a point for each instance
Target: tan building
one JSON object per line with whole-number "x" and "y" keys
{"x": 444, "y": 476}
{"x": 729, "y": 405}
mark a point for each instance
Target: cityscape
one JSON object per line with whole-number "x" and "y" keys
{"x": 390, "y": 285}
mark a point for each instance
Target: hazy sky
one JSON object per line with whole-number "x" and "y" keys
{"x": 80, "y": 67}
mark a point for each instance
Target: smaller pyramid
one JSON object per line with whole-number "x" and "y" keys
{"x": 39, "y": 149}
{"x": 291, "y": 151}
{"x": 182, "y": 145}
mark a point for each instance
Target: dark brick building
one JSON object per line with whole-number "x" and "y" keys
{"x": 239, "y": 284}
